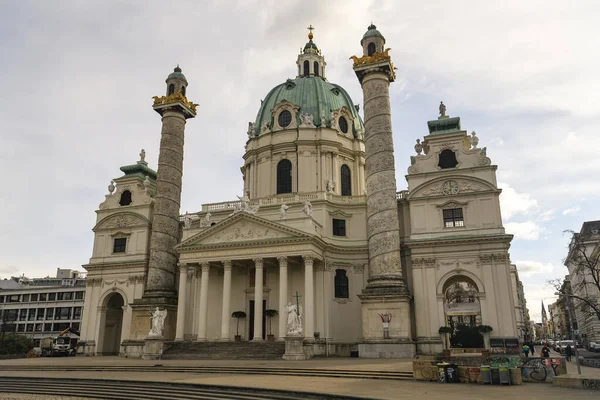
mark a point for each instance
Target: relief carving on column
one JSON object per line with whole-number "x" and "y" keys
{"x": 283, "y": 261}
{"x": 308, "y": 259}
{"x": 93, "y": 282}
{"x": 486, "y": 258}
{"x": 227, "y": 265}
{"x": 135, "y": 279}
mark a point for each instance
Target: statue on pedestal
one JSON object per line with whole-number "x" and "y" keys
{"x": 158, "y": 322}
{"x": 307, "y": 208}
{"x": 294, "y": 319}
{"x": 282, "y": 211}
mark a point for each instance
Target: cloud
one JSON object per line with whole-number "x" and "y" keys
{"x": 530, "y": 268}
{"x": 528, "y": 230}
{"x": 573, "y": 210}
{"x": 514, "y": 203}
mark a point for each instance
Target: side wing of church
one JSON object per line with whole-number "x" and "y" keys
{"x": 320, "y": 233}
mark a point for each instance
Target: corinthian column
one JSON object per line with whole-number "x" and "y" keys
{"x": 309, "y": 298}
{"x": 258, "y": 299}
{"x": 203, "y": 302}
{"x": 179, "y": 335}
{"x": 283, "y": 295}
{"x": 225, "y": 317}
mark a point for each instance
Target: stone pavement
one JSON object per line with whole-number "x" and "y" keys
{"x": 368, "y": 388}
{"x": 572, "y": 367}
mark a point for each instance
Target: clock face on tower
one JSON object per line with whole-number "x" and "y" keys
{"x": 450, "y": 187}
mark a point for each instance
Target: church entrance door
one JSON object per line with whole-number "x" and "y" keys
{"x": 251, "y": 322}
{"x": 113, "y": 322}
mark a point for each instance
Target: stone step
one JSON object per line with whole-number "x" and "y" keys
{"x": 223, "y": 350}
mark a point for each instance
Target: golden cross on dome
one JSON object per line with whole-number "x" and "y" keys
{"x": 310, "y": 29}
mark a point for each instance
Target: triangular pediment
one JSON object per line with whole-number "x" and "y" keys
{"x": 241, "y": 228}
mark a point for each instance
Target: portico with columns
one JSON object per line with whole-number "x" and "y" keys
{"x": 218, "y": 278}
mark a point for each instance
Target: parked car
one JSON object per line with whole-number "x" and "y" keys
{"x": 595, "y": 347}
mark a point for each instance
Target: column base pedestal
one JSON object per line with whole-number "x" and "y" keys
{"x": 153, "y": 347}
{"x": 294, "y": 348}
{"x": 395, "y": 341}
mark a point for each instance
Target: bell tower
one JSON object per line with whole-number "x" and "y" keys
{"x": 386, "y": 321}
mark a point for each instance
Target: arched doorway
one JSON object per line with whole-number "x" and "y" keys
{"x": 463, "y": 312}
{"x": 111, "y": 336}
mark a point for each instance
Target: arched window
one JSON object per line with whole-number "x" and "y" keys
{"x": 341, "y": 284}
{"x": 447, "y": 159}
{"x": 306, "y": 67}
{"x": 183, "y": 90}
{"x": 171, "y": 88}
{"x": 284, "y": 177}
{"x": 371, "y": 49}
{"x": 125, "y": 198}
{"x": 346, "y": 181}
{"x": 316, "y": 68}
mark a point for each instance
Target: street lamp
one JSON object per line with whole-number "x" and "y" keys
{"x": 568, "y": 296}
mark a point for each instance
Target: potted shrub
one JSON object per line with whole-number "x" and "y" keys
{"x": 270, "y": 313}
{"x": 444, "y": 331}
{"x": 485, "y": 330}
{"x": 238, "y": 315}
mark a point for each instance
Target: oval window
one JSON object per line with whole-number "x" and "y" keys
{"x": 285, "y": 118}
{"x": 343, "y": 125}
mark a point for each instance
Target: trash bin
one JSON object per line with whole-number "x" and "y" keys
{"x": 452, "y": 373}
{"x": 486, "y": 374}
{"x": 495, "y": 375}
{"x": 504, "y": 376}
{"x": 442, "y": 372}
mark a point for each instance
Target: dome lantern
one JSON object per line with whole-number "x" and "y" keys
{"x": 176, "y": 82}
{"x": 372, "y": 41}
{"x": 310, "y": 61}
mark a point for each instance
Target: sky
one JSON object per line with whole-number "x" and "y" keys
{"x": 77, "y": 78}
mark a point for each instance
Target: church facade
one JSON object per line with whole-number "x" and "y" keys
{"x": 320, "y": 223}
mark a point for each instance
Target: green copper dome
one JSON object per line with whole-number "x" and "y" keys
{"x": 176, "y": 74}
{"x": 372, "y": 31}
{"x": 314, "y": 96}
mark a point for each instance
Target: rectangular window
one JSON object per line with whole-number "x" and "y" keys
{"x": 75, "y": 326}
{"x": 23, "y": 315}
{"x": 43, "y": 296}
{"x": 21, "y": 328}
{"x": 38, "y": 327}
{"x": 341, "y": 284}
{"x": 48, "y": 327}
{"x": 119, "y": 245}
{"x": 1, "y": 299}
{"x": 31, "y": 315}
{"x": 453, "y": 218}
{"x": 60, "y": 295}
{"x": 68, "y": 296}
{"x": 49, "y": 313}
{"x": 34, "y": 297}
{"x": 77, "y": 313}
{"x": 339, "y": 227}
{"x": 40, "y": 314}
{"x": 51, "y": 296}
{"x": 29, "y": 328}
{"x": 12, "y": 315}
{"x": 61, "y": 326}
{"x": 13, "y": 298}
{"x": 63, "y": 313}
{"x": 25, "y": 298}
{"x": 79, "y": 295}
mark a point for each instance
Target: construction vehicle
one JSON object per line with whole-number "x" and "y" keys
{"x": 61, "y": 345}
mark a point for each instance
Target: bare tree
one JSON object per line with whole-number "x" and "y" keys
{"x": 583, "y": 261}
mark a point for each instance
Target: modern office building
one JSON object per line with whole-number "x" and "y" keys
{"x": 42, "y": 307}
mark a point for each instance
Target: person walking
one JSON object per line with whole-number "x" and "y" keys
{"x": 568, "y": 352}
{"x": 545, "y": 351}
{"x": 532, "y": 348}
{"x": 526, "y": 350}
